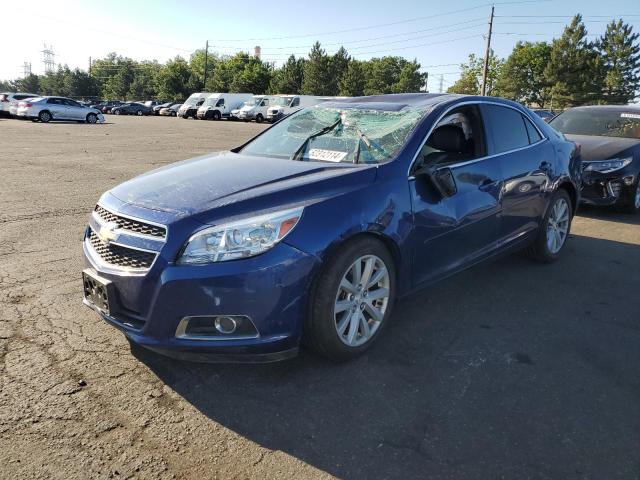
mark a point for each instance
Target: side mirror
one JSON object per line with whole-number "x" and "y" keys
{"x": 441, "y": 178}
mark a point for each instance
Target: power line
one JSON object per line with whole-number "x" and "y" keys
{"x": 399, "y": 22}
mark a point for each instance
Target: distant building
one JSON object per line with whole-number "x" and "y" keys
{"x": 257, "y": 51}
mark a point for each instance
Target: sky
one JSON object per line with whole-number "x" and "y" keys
{"x": 440, "y": 35}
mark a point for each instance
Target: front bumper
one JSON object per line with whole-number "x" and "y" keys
{"x": 271, "y": 289}
{"x": 608, "y": 189}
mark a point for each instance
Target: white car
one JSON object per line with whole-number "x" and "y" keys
{"x": 46, "y": 109}
{"x": 284, "y": 105}
{"x": 9, "y": 101}
{"x": 220, "y": 105}
{"x": 254, "y": 109}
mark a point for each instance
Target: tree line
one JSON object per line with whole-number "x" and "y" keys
{"x": 569, "y": 71}
{"x": 118, "y": 77}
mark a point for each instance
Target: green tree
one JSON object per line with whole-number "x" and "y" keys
{"x": 352, "y": 82}
{"x": 410, "y": 80}
{"x": 471, "y": 73}
{"x": 173, "y": 79}
{"x": 253, "y": 76}
{"x": 143, "y": 85}
{"x": 522, "y": 75}
{"x": 339, "y": 65}
{"x": 317, "y": 72}
{"x": 574, "y": 71}
{"x": 196, "y": 64}
{"x": 116, "y": 74}
{"x": 80, "y": 84}
{"x": 288, "y": 78}
{"x": 30, "y": 84}
{"x": 620, "y": 54}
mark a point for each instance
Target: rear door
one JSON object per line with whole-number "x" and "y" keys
{"x": 526, "y": 159}
{"x": 57, "y": 108}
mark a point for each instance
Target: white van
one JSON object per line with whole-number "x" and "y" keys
{"x": 287, "y": 104}
{"x": 254, "y": 109}
{"x": 190, "y": 107}
{"x": 219, "y": 105}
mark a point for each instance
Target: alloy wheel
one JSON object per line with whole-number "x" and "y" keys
{"x": 362, "y": 300}
{"x": 557, "y": 225}
{"x": 637, "y": 198}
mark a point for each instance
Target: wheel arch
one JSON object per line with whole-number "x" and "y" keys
{"x": 572, "y": 192}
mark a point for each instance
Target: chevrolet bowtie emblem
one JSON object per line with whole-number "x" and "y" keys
{"x": 107, "y": 232}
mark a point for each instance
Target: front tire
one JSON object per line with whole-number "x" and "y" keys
{"x": 259, "y": 118}
{"x": 554, "y": 229}
{"x": 139, "y": 113}
{"x": 352, "y": 300}
{"x": 92, "y": 118}
{"x": 633, "y": 204}
{"x": 117, "y": 112}
{"x": 216, "y": 115}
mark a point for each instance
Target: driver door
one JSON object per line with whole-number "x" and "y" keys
{"x": 451, "y": 232}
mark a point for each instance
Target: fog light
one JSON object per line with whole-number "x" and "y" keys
{"x": 216, "y": 327}
{"x": 628, "y": 180}
{"x": 225, "y": 325}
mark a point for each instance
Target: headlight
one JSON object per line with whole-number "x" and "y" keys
{"x": 242, "y": 239}
{"x": 607, "y": 166}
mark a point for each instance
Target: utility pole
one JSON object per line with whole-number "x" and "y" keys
{"x": 486, "y": 55}
{"x": 89, "y": 65}
{"x": 48, "y": 61}
{"x": 206, "y": 55}
{"x": 26, "y": 67}
{"x": 441, "y": 82}
{"x": 426, "y": 82}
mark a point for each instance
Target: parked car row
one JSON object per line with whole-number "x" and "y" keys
{"x": 47, "y": 108}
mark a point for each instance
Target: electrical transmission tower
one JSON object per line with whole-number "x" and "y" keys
{"x": 26, "y": 69}
{"x": 48, "y": 61}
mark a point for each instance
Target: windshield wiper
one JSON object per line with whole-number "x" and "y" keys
{"x": 326, "y": 129}
{"x": 370, "y": 144}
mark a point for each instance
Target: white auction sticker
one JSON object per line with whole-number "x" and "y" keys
{"x": 630, "y": 115}
{"x": 326, "y": 155}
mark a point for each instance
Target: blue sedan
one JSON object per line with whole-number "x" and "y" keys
{"x": 310, "y": 232}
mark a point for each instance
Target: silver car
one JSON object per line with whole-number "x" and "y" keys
{"x": 9, "y": 101}
{"x": 46, "y": 109}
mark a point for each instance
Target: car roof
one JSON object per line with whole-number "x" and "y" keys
{"x": 398, "y": 101}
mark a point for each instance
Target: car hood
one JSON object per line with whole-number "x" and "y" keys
{"x": 602, "y": 148}
{"x": 197, "y": 186}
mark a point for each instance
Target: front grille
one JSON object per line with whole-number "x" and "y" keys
{"x": 120, "y": 256}
{"x": 131, "y": 225}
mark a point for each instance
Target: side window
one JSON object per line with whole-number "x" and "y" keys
{"x": 458, "y": 137}
{"x": 72, "y": 103}
{"x": 534, "y": 135}
{"x": 508, "y": 130}
{"x": 54, "y": 101}
{"x": 264, "y": 103}
{"x": 295, "y": 102}
{"x": 220, "y": 103}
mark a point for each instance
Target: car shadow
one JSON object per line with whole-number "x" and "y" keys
{"x": 608, "y": 214}
{"x": 511, "y": 369}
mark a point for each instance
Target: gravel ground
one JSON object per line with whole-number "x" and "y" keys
{"x": 510, "y": 370}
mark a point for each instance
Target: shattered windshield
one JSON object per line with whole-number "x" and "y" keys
{"x": 347, "y": 135}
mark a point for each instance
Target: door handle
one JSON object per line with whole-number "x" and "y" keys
{"x": 486, "y": 184}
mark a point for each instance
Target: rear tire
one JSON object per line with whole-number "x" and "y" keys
{"x": 554, "y": 229}
{"x": 139, "y": 113}
{"x": 117, "y": 112}
{"x": 343, "y": 325}
{"x": 44, "y": 117}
